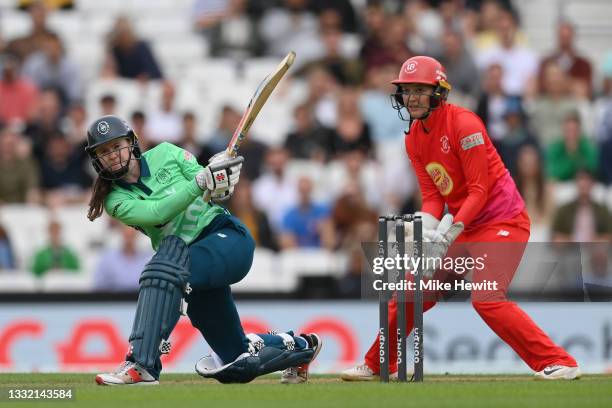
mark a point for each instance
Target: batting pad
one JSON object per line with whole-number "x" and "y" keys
{"x": 162, "y": 285}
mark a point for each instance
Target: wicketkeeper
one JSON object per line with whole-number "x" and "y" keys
{"x": 200, "y": 251}
{"x": 458, "y": 167}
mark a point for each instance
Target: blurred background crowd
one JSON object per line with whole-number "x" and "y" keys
{"x": 326, "y": 156}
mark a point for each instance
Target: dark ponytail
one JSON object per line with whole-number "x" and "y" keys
{"x": 101, "y": 189}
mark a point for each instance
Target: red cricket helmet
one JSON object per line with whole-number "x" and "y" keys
{"x": 423, "y": 70}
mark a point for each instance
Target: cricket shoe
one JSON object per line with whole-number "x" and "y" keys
{"x": 362, "y": 372}
{"x": 128, "y": 373}
{"x": 558, "y": 372}
{"x": 298, "y": 375}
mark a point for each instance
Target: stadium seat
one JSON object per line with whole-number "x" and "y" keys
{"x": 311, "y": 262}
{"x": 20, "y": 281}
{"x": 267, "y": 275}
{"x": 13, "y": 23}
{"x": 27, "y": 230}
{"x": 60, "y": 281}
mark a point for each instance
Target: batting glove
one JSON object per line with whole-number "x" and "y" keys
{"x": 218, "y": 179}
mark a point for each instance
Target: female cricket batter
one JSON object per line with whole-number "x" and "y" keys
{"x": 200, "y": 251}
{"x": 457, "y": 165}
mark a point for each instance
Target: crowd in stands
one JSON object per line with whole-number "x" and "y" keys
{"x": 549, "y": 115}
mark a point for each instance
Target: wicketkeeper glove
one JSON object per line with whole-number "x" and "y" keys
{"x": 428, "y": 220}
{"x": 437, "y": 241}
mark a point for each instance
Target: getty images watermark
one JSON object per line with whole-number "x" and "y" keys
{"x": 459, "y": 265}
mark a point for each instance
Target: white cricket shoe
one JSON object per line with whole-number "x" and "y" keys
{"x": 128, "y": 373}
{"x": 299, "y": 375}
{"x": 362, "y": 372}
{"x": 558, "y": 372}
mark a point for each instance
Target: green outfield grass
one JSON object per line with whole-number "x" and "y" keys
{"x": 456, "y": 391}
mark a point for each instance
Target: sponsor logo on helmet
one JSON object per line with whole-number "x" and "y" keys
{"x": 472, "y": 140}
{"x": 440, "y": 177}
{"x": 411, "y": 67}
{"x": 163, "y": 176}
{"x": 440, "y": 75}
{"x": 103, "y": 127}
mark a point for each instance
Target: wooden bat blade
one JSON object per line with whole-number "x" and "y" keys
{"x": 263, "y": 92}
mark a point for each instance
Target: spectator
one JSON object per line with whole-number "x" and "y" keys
{"x": 119, "y": 269}
{"x": 343, "y": 8}
{"x": 46, "y": 123}
{"x": 354, "y": 165}
{"x": 516, "y": 135}
{"x": 582, "y": 220}
{"x": 355, "y": 223}
{"x": 340, "y": 63}
{"x": 350, "y": 211}
{"x": 23, "y": 47}
{"x": 384, "y": 44}
{"x": 208, "y": 13}
{"x": 572, "y": 151}
{"x": 241, "y": 205}
{"x": 165, "y": 124}
{"x": 519, "y": 63}
{"x": 492, "y": 102}
{"x": 108, "y": 104}
{"x": 307, "y": 225}
{"x": 604, "y": 122}
{"x": 290, "y": 28}
{"x": 7, "y": 258}
{"x": 64, "y": 179}
{"x": 19, "y": 178}
{"x": 132, "y": 57}
{"x": 323, "y": 90}
{"x": 18, "y": 95}
{"x": 235, "y": 35}
{"x": 274, "y": 192}
{"x": 74, "y": 125}
{"x": 52, "y": 68}
{"x": 252, "y": 150}
{"x": 459, "y": 64}
{"x": 308, "y": 140}
{"x": 139, "y": 125}
{"x": 190, "y": 140}
{"x": 575, "y": 67}
{"x": 351, "y": 132}
{"x": 384, "y": 123}
{"x": 55, "y": 255}
{"x": 534, "y": 189}
{"x": 548, "y": 110}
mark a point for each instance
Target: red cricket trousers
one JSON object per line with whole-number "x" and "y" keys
{"x": 503, "y": 243}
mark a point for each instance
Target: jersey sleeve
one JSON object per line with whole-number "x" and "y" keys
{"x": 433, "y": 202}
{"x": 470, "y": 143}
{"x": 186, "y": 160}
{"x": 133, "y": 211}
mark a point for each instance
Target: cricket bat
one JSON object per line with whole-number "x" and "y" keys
{"x": 264, "y": 90}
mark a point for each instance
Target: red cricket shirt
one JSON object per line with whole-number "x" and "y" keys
{"x": 456, "y": 164}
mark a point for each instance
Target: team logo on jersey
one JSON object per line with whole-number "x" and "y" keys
{"x": 163, "y": 176}
{"x": 187, "y": 155}
{"x": 445, "y": 144}
{"x": 440, "y": 177}
{"x": 410, "y": 68}
{"x": 473, "y": 140}
{"x": 103, "y": 127}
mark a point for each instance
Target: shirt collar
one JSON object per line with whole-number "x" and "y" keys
{"x": 144, "y": 172}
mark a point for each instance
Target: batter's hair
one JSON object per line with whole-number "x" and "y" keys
{"x": 101, "y": 189}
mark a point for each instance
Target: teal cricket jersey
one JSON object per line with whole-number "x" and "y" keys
{"x": 166, "y": 199}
